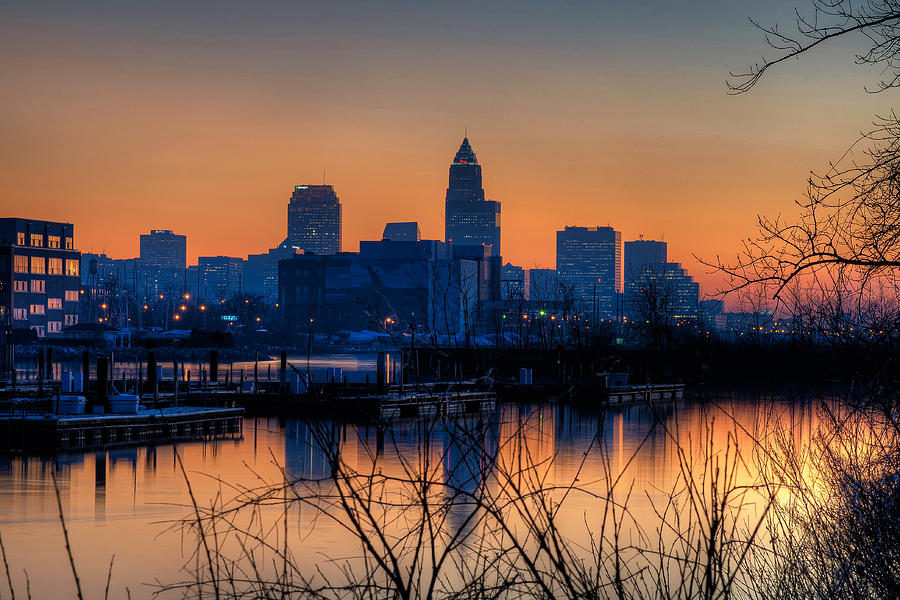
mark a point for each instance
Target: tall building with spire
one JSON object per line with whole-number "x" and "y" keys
{"x": 314, "y": 220}
{"x": 470, "y": 220}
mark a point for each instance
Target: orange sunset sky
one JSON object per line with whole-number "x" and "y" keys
{"x": 122, "y": 117}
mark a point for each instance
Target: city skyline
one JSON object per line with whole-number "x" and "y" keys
{"x": 582, "y": 117}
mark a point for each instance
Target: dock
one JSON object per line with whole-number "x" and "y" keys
{"x": 49, "y": 432}
{"x": 645, "y": 394}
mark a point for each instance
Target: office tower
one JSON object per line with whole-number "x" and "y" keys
{"x": 470, "y": 220}
{"x": 407, "y": 231}
{"x": 261, "y": 272}
{"x": 39, "y": 276}
{"x": 314, "y": 220}
{"x": 164, "y": 248}
{"x": 589, "y": 266}
{"x": 639, "y": 253}
{"x": 162, "y": 261}
{"x": 220, "y": 277}
{"x": 662, "y": 288}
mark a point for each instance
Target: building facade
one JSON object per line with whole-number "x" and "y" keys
{"x": 219, "y": 277}
{"x": 640, "y": 253}
{"x": 314, "y": 220}
{"x": 40, "y": 282}
{"x": 589, "y": 267}
{"x": 470, "y": 220}
{"x": 387, "y": 286}
{"x": 406, "y": 231}
{"x": 162, "y": 262}
{"x": 663, "y": 288}
{"x": 261, "y": 272}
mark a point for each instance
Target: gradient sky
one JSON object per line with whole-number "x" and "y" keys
{"x": 124, "y": 116}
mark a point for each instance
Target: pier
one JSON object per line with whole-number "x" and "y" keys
{"x": 25, "y": 431}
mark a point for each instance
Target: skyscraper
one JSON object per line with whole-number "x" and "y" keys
{"x": 314, "y": 219}
{"x": 641, "y": 253}
{"x": 589, "y": 265}
{"x": 164, "y": 248}
{"x": 162, "y": 261}
{"x": 470, "y": 220}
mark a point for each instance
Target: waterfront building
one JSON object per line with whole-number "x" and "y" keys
{"x": 589, "y": 268}
{"x": 470, "y": 220}
{"x": 314, "y": 220}
{"x": 40, "y": 278}
{"x": 407, "y": 231}
{"x": 220, "y": 277}
{"x": 388, "y": 286}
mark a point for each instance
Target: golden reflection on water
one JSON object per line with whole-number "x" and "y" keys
{"x": 124, "y": 501}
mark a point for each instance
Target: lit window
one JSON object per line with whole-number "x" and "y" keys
{"x": 54, "y": 326}
{"x": 54, "y": 303}
{"x": 71, "y": 295}
{"x": 53, "y": 241}
{"x": 72, "y": 267}
{"x": 69, "y": 244}
{"x": 21, "y": 285}
{"x": 21, "y": 264}
{"x": 38, "y": 286}
{"x": 55, "y": 266}
{"x": 71, "y": 319}
{"x": 20, "y": 238}
{"x": 37, "y": 309}
{"x": 20, "y": 314}
{"x": 38, "y": 265}
{"x": 37, "y": 239}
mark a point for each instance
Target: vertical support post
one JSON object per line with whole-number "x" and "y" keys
{"x": 282, "y": 379}
{"x": 214, "y": 365}
{"x": 86, "y": 371}
{"x": 48, "y": 370}
{"x": 101, "y": 394}
{"x": 152, "y": 372}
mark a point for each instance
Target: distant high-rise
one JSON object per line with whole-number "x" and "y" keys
{"x": 164, "y": 248}
{"x": 470, "y": 220}
{"x": 406, "y": 231}
{"x": 314, "y": 219}
{"x": 641, "y": 253}
{"x": 219, "y": 277}
{"x": 589, "y": 266}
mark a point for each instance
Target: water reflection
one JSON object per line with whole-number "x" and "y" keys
{"x": 121, "y": 502}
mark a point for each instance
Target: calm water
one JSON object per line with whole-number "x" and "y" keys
{"x": 123, "y": 502}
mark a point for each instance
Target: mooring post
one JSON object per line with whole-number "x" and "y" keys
{"x": 86, "y": 371}
{"x": 282, "y": 379}
{"x": 152, "y": 372}
{"x": 40, "y": 373}
{"x": 381, "y": 369}
{"x": 102, "y": 392}
{"x": 214, "y": 366}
